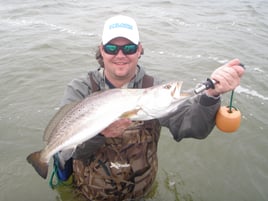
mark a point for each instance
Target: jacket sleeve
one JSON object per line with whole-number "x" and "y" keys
{"x": 194, "y": 118}
{"x": 77, "y": 90}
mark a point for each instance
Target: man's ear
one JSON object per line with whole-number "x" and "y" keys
{"x": 141, "y": 50}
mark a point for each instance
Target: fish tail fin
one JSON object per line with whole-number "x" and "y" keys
{"x": 41, "y": 167}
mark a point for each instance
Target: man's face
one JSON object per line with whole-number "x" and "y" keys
{"x": 120, "y": 66}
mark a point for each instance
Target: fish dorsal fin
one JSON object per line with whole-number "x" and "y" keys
{"x": 56, "y": 119}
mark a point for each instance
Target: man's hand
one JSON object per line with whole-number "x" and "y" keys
{"x": 227, "y": 78}
{"x": 116, "y": 128}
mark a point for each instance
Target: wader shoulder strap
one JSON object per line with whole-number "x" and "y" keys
{"x": 147, "y": 81}
{"x": 94, "y": 85}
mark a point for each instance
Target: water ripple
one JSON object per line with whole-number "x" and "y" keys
{"x": 51, "y": 26}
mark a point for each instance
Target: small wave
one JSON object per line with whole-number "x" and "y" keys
{"x": 197, "y": 56}
{"x": 237, "y": 26}
{"x": 254, "y": 93}
{"x": 45, "y": 24}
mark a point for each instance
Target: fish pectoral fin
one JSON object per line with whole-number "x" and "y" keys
{"x": 130, "y": 113}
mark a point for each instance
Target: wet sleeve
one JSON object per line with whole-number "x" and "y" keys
{"x": 194, "y": 118}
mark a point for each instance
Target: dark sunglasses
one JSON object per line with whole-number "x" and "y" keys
{"x": 126, "y": 49}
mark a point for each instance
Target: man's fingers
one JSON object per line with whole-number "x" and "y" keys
{"x": 233, "y": 62}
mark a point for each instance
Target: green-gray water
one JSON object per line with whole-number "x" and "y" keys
{"x": 44, "y": 44}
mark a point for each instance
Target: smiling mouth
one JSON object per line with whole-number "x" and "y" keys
{"x": 120, "y": 63}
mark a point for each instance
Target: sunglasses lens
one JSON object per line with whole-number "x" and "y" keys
{"x": 130, "y": 49}
{"x": 126, "y": 49}
{"x": 111, "y": 49}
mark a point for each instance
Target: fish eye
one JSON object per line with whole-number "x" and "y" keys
{"x": 168, "y": 86}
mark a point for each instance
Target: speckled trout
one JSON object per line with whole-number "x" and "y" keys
{"x": 78, "y": 122}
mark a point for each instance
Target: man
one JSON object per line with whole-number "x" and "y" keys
{"x": 121, "y": 162}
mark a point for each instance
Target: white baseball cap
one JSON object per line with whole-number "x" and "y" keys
{"x": 120, "y": 26}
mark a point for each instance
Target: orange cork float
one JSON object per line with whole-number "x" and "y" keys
{"x": 228, "y": 119}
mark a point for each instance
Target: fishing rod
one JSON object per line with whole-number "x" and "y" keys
{"x": 228, "y": 118}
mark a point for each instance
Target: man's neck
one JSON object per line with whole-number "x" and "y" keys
{"x": 117, "y": 82}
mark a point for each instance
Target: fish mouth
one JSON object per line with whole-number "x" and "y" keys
{"x": 176, "y": 91}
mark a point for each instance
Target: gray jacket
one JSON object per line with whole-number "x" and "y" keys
{"x": 195, "y": 118}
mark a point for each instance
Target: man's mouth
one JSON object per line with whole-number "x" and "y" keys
{"x": 120, "y": 63}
